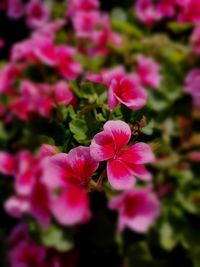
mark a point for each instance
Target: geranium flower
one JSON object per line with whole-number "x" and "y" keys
{"x": 192, "y": 86}
{"x": 37, "y": 13}
{"x": 71, "y": 206}
{"x": 137, "y": 208}
{"x": 72, "y": 169}
{"x": 122, "y": 163}
{"x": 148, "y": 71}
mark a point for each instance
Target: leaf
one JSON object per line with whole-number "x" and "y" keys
{"x": 168, "y": 238}
{"x": 53, "y": 237}
{"x": 79, "y": 129}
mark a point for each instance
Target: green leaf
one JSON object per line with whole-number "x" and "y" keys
{"x": 168, "y": 238}
{"x": 79, "y": 129}
{"x": 54, "y": 237}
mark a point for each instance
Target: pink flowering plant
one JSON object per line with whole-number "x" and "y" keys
{"x": 99, "y": 133}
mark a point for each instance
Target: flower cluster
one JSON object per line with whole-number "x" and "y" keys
{"x": 99, "y": 135}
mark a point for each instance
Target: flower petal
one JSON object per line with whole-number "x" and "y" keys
{"x": 102, "y": 146}
{"x": 71, "y": 207}
{"x": 139, "y": 153}
{"x": 120, "y": 132}
{"x": 130, "y": 93}
{"x": 119, "y": 175}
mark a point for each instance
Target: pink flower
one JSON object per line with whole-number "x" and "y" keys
{"x": 16, "y": 206}
{"x": 67, "y": 66}
{"x": 37, "y": 13}
{"x": 192, "y": 86}
{"x": 137, "y": 208}
{"x": 190, "y": 12}
{"x": 71, "y": 206}
{"x": 8, "y": 75}
{"x": 40, "y": 203}
{"x": 148, "y": 71}
{"x": 84, "y": 23}
{"x": 195, "y": 40}
{"x": 122, "y": 88}
{"x": 146, "y": 11}
{"x": 33, "y": 99}
{"x": 31, "y": 196}
{"x": 63, "y": 93}
{"x": 15, "y": 9}
{"x": 84, "y": 5}
{"x": 128, "y": 92}
{"x": 26, "y": 254}
{"x": 123, "y": 163}
{"x": 72, "y": 169}
{"x": 2, "y": 42}
{"x": 7, "y": 163}
{"x": 195, "y": 156}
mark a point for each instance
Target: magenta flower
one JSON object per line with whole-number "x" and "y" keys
{"x": 192, "y": 86}
{"x": 26, "y": 254}
{"x": 15, "y": 9}
{"x": 63, "y": 94}
{"x": 84, "y": 5}
{"x": 37, "y": 13}
{"x": 137, "y": 208}
{"x": 71, "y": 206}
{"x": 146, "y": 11}
{"x": 70, "y": 173}
{"x": 148, "y": 72}
{"x": 8, "y": 75}
{"x": 195, "y": 40}
{"x": 127, "y": 91}
{"x": 32, "y": 196}
{"x": 190, "y": 12}
{"x": 122, "y": 163}
{"x": 7, "y": 163}
{"x": 72, "y": 169}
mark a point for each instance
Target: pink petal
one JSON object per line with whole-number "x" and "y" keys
{"x": 130, "y": 93}
{"x": 102, "y": 146}
{"x": 139, "y": 153}
{"x": 39, "y": 203}
{"x": 71, "y": 207}
{"x": 82, "y": 163}
{"x": 16, "y": 206}
{"x": 119, "y": 175}
{"x": 141, "y": 172}
{"x": 7, "y": 163}
{"x": 62, "y": 93}
{"x": 120, "y": 132}
{"x": 55, "y": 170}
{"x": 112, "y": 100}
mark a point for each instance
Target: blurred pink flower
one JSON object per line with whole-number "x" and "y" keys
{"x": 63, "y": 93}
{"x": 123, "y": 163}
{"x": 84, "y": 5}
{"x": 37, "y": 12}
{"x": 72, "y": 169}
{"x": 31, "y": 196}
{"x": 32, "y": 98}
{"x": 15, "y": 9}
{"x": 71, "y": 206}
{"x": 146, "y": 11}
{"x": 26, "y": 254}
{"x": 127, "y": 91}
{"x": 195, "y": 40}
{"x": 148, "y": 71}
{"x": 138, "y": 209}
{"x": 7, "y": 163}
{"x": 190, "y": 12}
{"x": 192, "y": 86}
{"x": 194, "y": 156}
{"x": 8, "y": 75}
